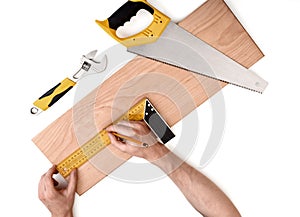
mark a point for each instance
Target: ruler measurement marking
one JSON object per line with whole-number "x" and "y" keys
{"x": 97, "y": 143}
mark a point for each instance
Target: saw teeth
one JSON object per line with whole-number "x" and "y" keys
{"x": 177, "y": 66}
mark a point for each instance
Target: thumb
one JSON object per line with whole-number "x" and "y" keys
{"x": 72, "y": 186}
{"x": 121, "y": 146}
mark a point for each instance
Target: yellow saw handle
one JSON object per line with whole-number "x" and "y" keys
{"x": 128, "y": 10}
{"x": 53, "y": 95}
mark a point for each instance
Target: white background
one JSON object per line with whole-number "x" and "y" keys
{"x": 257, "y": 164}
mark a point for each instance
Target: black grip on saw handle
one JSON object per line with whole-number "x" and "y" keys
{"x": 125, "y": 12}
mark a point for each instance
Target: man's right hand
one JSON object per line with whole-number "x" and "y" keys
{"x": 137, "y": 130}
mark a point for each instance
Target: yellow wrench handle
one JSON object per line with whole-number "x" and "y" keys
{"x": 128, "y": 10}
{"x": 54, "y": 94}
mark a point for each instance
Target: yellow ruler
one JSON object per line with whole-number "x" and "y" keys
{"x": 143, "y": 110}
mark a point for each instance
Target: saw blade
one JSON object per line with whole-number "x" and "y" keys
{"x": 180, "y": 48}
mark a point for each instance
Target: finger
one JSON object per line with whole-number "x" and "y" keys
{"x": 127, "y": 123}
{"x": 141, "y": 123}
{"x": 132, "y": 143}
{"x": 41, "y": 188}
{"x": 119, "y": 145}
{"x": 121, "y": 129}
{"x": 138, "y": 126}
{"x": 72, "y": 186}
{"x": 117, "y": 128}
{"x": 49, "y": 184}
{"x": 51, "y": 171}
{"x": 41, "y": 183}
{"x": 127, "y": 147}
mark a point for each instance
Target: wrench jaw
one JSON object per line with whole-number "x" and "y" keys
{"x": 91, "y": 55}
{"x": 101, "y": 67}
{"x": 91, "y": 64}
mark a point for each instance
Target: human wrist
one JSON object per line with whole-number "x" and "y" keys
{"x": 157, "y": 151}
{"x": 168, "y": 162}
{"x": 67, "y": 214}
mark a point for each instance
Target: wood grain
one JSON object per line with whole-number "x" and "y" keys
{"x": 173, "y": 91}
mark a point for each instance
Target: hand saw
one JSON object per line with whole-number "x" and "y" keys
{"x": 90, "y": 64}
{"x": 165, "y": 41}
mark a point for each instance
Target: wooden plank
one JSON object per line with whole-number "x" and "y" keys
{"x": 173, "y": 91}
